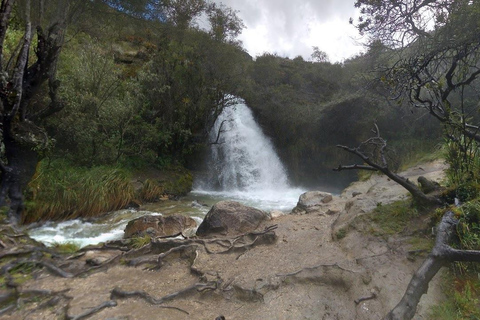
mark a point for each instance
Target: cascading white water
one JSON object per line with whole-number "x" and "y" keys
{"x": 243, "y": 166}
{"x": 243, "y": 158}
{"x": 243, "y": 163}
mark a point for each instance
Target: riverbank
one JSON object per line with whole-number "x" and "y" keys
{"x": 320, "y": 265}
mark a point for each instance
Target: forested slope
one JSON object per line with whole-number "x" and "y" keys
{"x": 139, "y": 85}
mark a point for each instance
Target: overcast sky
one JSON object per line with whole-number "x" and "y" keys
{"x": 291, "y": 28}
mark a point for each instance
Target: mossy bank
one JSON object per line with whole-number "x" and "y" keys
{"x": 61, "y": 191}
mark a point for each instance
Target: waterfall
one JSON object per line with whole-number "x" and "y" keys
{"x": 243, "y": 164}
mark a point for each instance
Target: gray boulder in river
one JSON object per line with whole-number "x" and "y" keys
{"x": 231, "y": 218}
{"x": 158, "y": 226}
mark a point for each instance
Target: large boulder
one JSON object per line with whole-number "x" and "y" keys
{"x": 158, "y": 226}
{"x": 312, "y": 200}
{"x": 231, "y": 218}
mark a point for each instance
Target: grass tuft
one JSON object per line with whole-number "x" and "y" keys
{"x": 151, "y": 191}
{"x": 60, "y": 191}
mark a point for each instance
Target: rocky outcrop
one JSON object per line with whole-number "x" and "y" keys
{"x": 231, "y": 218}
{"x": 311, "y": 201}
{"x": 159, "y": 226}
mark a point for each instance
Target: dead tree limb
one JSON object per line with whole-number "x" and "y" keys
{"x": 441, "y": 254}
{"x": 374, "y": 153}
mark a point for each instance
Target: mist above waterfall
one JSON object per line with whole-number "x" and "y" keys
{"x": 243, "y": 164}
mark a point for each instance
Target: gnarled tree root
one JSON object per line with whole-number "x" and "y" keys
{"x": 117, "y": 293}
{"x": 92, "y": 311}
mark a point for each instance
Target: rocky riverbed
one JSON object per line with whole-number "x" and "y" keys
{"x": 316, "y": 263}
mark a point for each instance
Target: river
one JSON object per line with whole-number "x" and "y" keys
{"x": 243, "y": 166}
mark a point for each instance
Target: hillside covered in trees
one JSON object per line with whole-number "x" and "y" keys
{"x": 136, "y": 84}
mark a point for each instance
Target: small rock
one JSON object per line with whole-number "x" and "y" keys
{"x": 355, "y": 193}
{"x": 197, "y": 204}
{"x": 96, "y": 261}
{"x": 331, "y": 212}
{"x": 348, "y": 205}
{"x": 311, "y": 200}
{"x": 276, "y": 213}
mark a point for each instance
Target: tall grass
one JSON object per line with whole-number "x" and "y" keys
{"x": 59, "y": 191}
{"x": 151, "y": 191}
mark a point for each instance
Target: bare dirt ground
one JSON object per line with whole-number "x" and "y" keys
{"x": 305, "y": 273}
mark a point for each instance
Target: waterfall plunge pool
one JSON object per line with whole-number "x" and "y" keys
{"x": 243, "y": 166}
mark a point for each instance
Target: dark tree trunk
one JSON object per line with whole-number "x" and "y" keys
{"x": 21, "y": 164}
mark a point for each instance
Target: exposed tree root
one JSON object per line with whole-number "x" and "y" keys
{"x": 54, "y": 269}
{"x": 117, "y": 293}
{"x": 92, "y": 311}
{"x": 321, "y": 266}
{"x": 16, "y": 297}
{"x": 242, "y": 243}
{"x": 156, "y": 253}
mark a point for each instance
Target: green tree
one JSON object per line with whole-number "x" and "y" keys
{"x": 434, "y": 66}
{"x": 24, "y": 73}
{"x": 319, "y": 55}
{"x": 225, "y": 25}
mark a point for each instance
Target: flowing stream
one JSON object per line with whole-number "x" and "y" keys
{"x": 242, "y": 166}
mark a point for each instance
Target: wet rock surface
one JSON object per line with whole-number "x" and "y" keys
{"x": 159, "y": 226}
{"x": 311, "y": 201}
{"x": 231, "y": 218}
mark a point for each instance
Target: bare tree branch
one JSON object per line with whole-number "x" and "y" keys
{"x": 373, "y": 152}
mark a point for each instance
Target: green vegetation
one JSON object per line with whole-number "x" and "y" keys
{"x": 133, "y": 89}
{"x": 399, "y": 217}
{"x": 462, "y": 302}
{"x": 138, "y": 242}
{"x": 60, "y": 191}
{"x": 66, "y": 247}
{"x": 342, "y": 233}
{"x": 393, "y": 218}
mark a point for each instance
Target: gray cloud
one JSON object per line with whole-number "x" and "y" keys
{"x": 288, "y": 26}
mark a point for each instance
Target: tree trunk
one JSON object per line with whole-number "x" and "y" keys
{"x": 22, "y": 159}
{"x": 441, "y": 254}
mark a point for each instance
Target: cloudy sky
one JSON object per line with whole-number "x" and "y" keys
{"x": 291, "y": 28}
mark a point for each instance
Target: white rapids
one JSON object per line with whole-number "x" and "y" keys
{"x": 243, "y": 166}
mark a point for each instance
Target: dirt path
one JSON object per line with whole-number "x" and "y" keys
{"x": 305, "y": 274}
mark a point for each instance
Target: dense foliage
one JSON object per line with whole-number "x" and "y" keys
{"x": 139, "y": 84}
{"x": 434, "y": 66}
{"x": 310, "y": 107}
